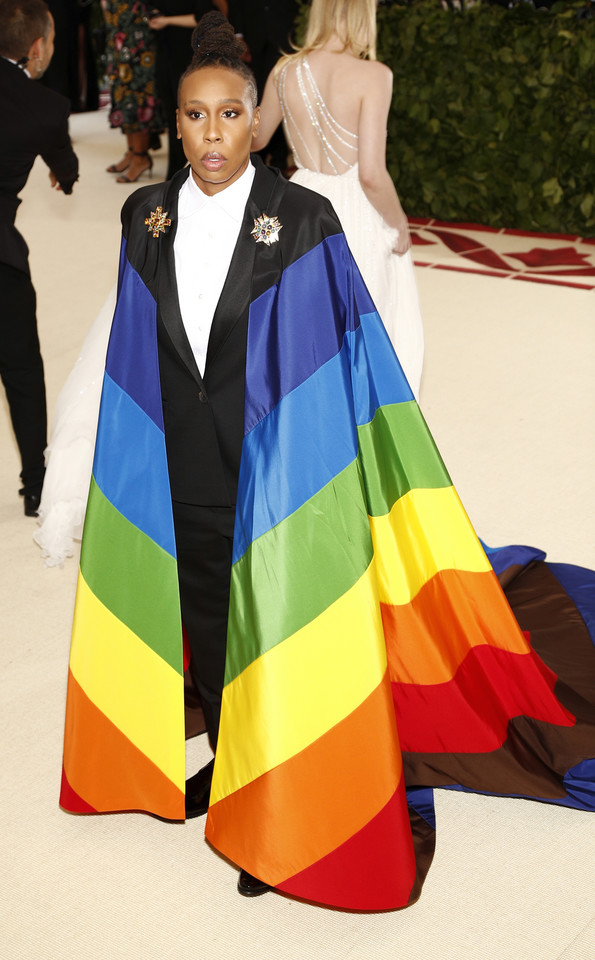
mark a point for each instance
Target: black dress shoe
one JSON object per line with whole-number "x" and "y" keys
{"x": 250, "y": 886}
{"x": 198, "y": 791}
{"x": 31, "y": 503}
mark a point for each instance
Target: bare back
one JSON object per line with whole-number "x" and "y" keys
{"x": 321, "y": 97}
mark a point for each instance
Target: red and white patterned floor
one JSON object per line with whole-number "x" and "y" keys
{"x": 560, "y": 259}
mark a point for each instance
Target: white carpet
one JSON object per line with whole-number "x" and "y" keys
{"x": 508, "y": 392}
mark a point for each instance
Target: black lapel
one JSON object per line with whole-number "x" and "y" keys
{"x": 169, "y": 305}
{"x": 249, "y": 257}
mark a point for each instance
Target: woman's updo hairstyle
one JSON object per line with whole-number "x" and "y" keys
{"x": 214, "y": 44}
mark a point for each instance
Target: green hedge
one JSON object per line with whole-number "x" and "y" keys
{"x": 493, "y": 119}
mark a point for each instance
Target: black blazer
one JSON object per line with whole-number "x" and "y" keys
{"x": 33, "y": 120}
{"x": 204, "y": 417}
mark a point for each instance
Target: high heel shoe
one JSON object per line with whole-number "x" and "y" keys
{"x": 121, "y": 165}
{"x": 148, "y": 168}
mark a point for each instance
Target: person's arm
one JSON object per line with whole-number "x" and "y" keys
{"x": 190, "y": 20}
{"x": 270, "y": 113}
{"x": 373, "y": 175}
{"x": 180, "y": 20}
{"x": 61, "y": 158}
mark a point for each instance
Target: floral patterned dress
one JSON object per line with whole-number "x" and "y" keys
{"x": 130, "y": 50}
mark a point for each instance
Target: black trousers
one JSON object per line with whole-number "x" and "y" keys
{"x": 176, "y": 155}
{"x": 204, "y": 538}
{"x": 21, "y": 371}
{"x": 168, "y": 71}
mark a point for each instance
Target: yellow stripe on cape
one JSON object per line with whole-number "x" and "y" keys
{"x": 425, "y": 531}
{"x": 346, "y": 642}
{"x": 109, "y": 662}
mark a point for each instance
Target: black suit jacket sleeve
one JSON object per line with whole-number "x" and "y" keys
{"x": 59, "y": 155}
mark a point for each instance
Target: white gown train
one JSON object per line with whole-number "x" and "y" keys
{"x": 69, "y": 454}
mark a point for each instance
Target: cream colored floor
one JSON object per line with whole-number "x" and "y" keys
{"x": 508, "y": 392}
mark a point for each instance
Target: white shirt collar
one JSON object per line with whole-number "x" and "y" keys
{"x": 19, "y": 65}
{"x": 232, "y": 200}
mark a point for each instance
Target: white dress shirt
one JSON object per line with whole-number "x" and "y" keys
{"x": 208, "y": 229}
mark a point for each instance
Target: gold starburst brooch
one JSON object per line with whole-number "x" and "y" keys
{"x": 157, "y": 222}
{"x": 266, "y": 229}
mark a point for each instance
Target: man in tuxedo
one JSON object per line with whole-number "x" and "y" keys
{"x": 34, "y": 120}
{"x": 267, "y": 27}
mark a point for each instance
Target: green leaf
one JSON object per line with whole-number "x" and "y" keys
{"x": 552, "y": 190}
{"x": 506, "y": 97}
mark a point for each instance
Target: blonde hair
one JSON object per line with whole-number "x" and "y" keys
{"x": 353, "y": 21}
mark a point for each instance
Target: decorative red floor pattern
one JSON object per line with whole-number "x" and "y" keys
{"x": 558, "y": 259}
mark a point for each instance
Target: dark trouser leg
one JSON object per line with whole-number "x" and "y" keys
{"x": 204, "y": 537}
{"x": 167, "y": 88}
{"x": 21, "y": 370}
{"x": 177, "y": 157}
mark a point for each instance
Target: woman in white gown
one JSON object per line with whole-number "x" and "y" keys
{"x": 333, "y": 98}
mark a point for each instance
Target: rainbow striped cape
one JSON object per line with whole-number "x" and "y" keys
{"x": 371, "y": 655}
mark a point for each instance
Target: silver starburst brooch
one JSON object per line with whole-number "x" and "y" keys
{"x": 266, "y": 229}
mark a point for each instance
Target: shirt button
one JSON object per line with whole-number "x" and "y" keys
{"x": 203, "y": 397}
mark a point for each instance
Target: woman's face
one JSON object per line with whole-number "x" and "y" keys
{"x": 216, "y": 121}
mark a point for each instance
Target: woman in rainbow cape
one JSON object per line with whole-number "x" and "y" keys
{"x": 371, "y": 654}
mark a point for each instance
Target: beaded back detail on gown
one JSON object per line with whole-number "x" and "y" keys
{"x": 327, "y": 156}
{"x": 317, "y": 140}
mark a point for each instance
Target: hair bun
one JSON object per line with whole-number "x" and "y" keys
{"x": 215, "y": 44}
{"x": 214, "y": 37}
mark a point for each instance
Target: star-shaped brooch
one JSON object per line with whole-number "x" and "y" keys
{"x": 266, "y": 229}
{"x": 157, "y": 222}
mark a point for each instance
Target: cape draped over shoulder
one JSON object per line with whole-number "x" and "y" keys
{"x": 371, "y": 654}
